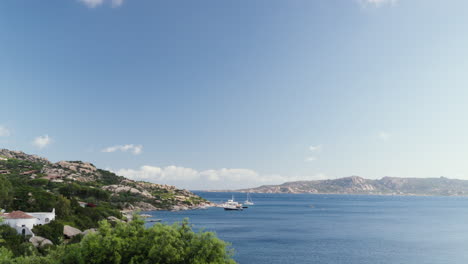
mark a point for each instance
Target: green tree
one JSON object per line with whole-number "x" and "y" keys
{"x": 5, "y": 256}
{"x": 133, "y": 243}
{"x": 63, "y": 207}
{"x": 6, "y": 192}
{"x": 52, "y": 231}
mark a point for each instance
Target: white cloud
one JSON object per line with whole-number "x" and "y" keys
{"x": 377, "y": 3}
{"x": 135, "y": 149}
{"x": 117, "y": 3}
{"x": 42, "y": 141}
{"x": 92, "y": 3}
{"x": 208, "y": 179}
{"x": 96, "y": 3}
{"x": 384, "y": 136}
{"x": 4, "y": 132}
{"x": 316, "y": 148}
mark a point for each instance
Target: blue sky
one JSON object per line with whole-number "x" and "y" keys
{"x": 229, "y": 94}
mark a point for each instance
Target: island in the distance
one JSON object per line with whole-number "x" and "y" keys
{"x": 357, "y": 185}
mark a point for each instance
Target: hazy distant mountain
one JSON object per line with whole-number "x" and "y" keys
{"x": 358, "y": 185}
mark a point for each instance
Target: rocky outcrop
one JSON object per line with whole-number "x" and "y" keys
{"x": 89, "y": 231}
{"x": 13, "y": 154}
{"x": 77, "y": 166}
{"x": 145, "y": 206}
{"x": 71, "y": 170}
{"x": 129, "y": 189}
{"x": 70, "y": 232}
{"x": 114, "y": 219}
{"x": 129, "y": 194}
{"x": 40, "y": 242}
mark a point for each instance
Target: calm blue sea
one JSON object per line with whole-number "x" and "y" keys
{"x": 351, "y": 229}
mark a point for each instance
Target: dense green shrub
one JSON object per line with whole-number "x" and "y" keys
{"x": 17, "y": 244}
{"x": 83, "y": 192}
{"x": 52, "y": 231}
{"x": 109, "y": 178}
{"x": 133, "y": 243}
{"x": 6, "y": 191}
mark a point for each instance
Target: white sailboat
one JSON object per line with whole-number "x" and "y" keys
{"x": 249, "y": 200}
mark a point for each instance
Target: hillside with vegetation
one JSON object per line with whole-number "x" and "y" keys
{"x": 358, "y": 185}
{"x": 100, "y": 203}
{"x": 36, "y": 184}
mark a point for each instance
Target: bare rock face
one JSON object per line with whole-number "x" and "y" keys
{"x": 88, "y": 231}
{"x": 123, "y": 188}
{"x": 145, "y": 206}
{"x": 69, "y": 231}
{"x": 40, "y": 242}
{"x": 13, "y": 154}
{"x": 77, "y": 166}
{"x": 115, "y": 219}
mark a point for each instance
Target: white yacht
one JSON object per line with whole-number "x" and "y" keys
{"x": 232, "y": 205}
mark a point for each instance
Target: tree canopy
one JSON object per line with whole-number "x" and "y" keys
{"x": 134, "y": 243}
{"x": 6, "y": 191}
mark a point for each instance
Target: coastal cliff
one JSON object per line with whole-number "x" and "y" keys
{"x": 358, "y": 185}
{"x": 86, "y": 183}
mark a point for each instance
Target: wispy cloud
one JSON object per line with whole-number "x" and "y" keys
{"x": 135, "y": 149}
{"x": 384, "y": 135}
{"x": 92, "y": 3}
{"x": 117, "y": 3}
{"x": 316, "y": 148}
{"x": 42, "y": 141}
{"x": 4, "y": 131}
{"x": 207, "y": 179}
{"x": 377, "y": 3}
{"x": 96, "y": 3}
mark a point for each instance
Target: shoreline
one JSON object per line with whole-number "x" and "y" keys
{"x": 356, "y": 194}
{"x": 175, "y": 208}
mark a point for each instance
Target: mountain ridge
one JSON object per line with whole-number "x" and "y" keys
{"x": 357, "y": 185}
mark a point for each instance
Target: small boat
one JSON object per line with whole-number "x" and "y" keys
{"x": 249, "y": 200}
{"x": 231, "y": 205}
{"x": 153, "y": 220}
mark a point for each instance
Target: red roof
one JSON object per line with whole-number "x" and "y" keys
{"x": 17, "y": 215}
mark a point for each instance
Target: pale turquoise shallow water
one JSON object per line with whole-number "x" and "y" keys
{"x": 351, "y": 229}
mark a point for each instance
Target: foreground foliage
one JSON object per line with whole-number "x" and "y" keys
{"x": 25, "y": 185}
{"x": 133, "y": 243}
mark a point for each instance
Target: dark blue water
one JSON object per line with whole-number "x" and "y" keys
{"x": 300, "y": 228}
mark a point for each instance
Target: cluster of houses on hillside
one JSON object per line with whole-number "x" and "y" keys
{"x": 24, "y": 222}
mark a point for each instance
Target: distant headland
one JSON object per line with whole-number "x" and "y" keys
{"x": 357, "y": 185}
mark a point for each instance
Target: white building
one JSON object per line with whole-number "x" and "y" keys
{"x": 24, "y": 222}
